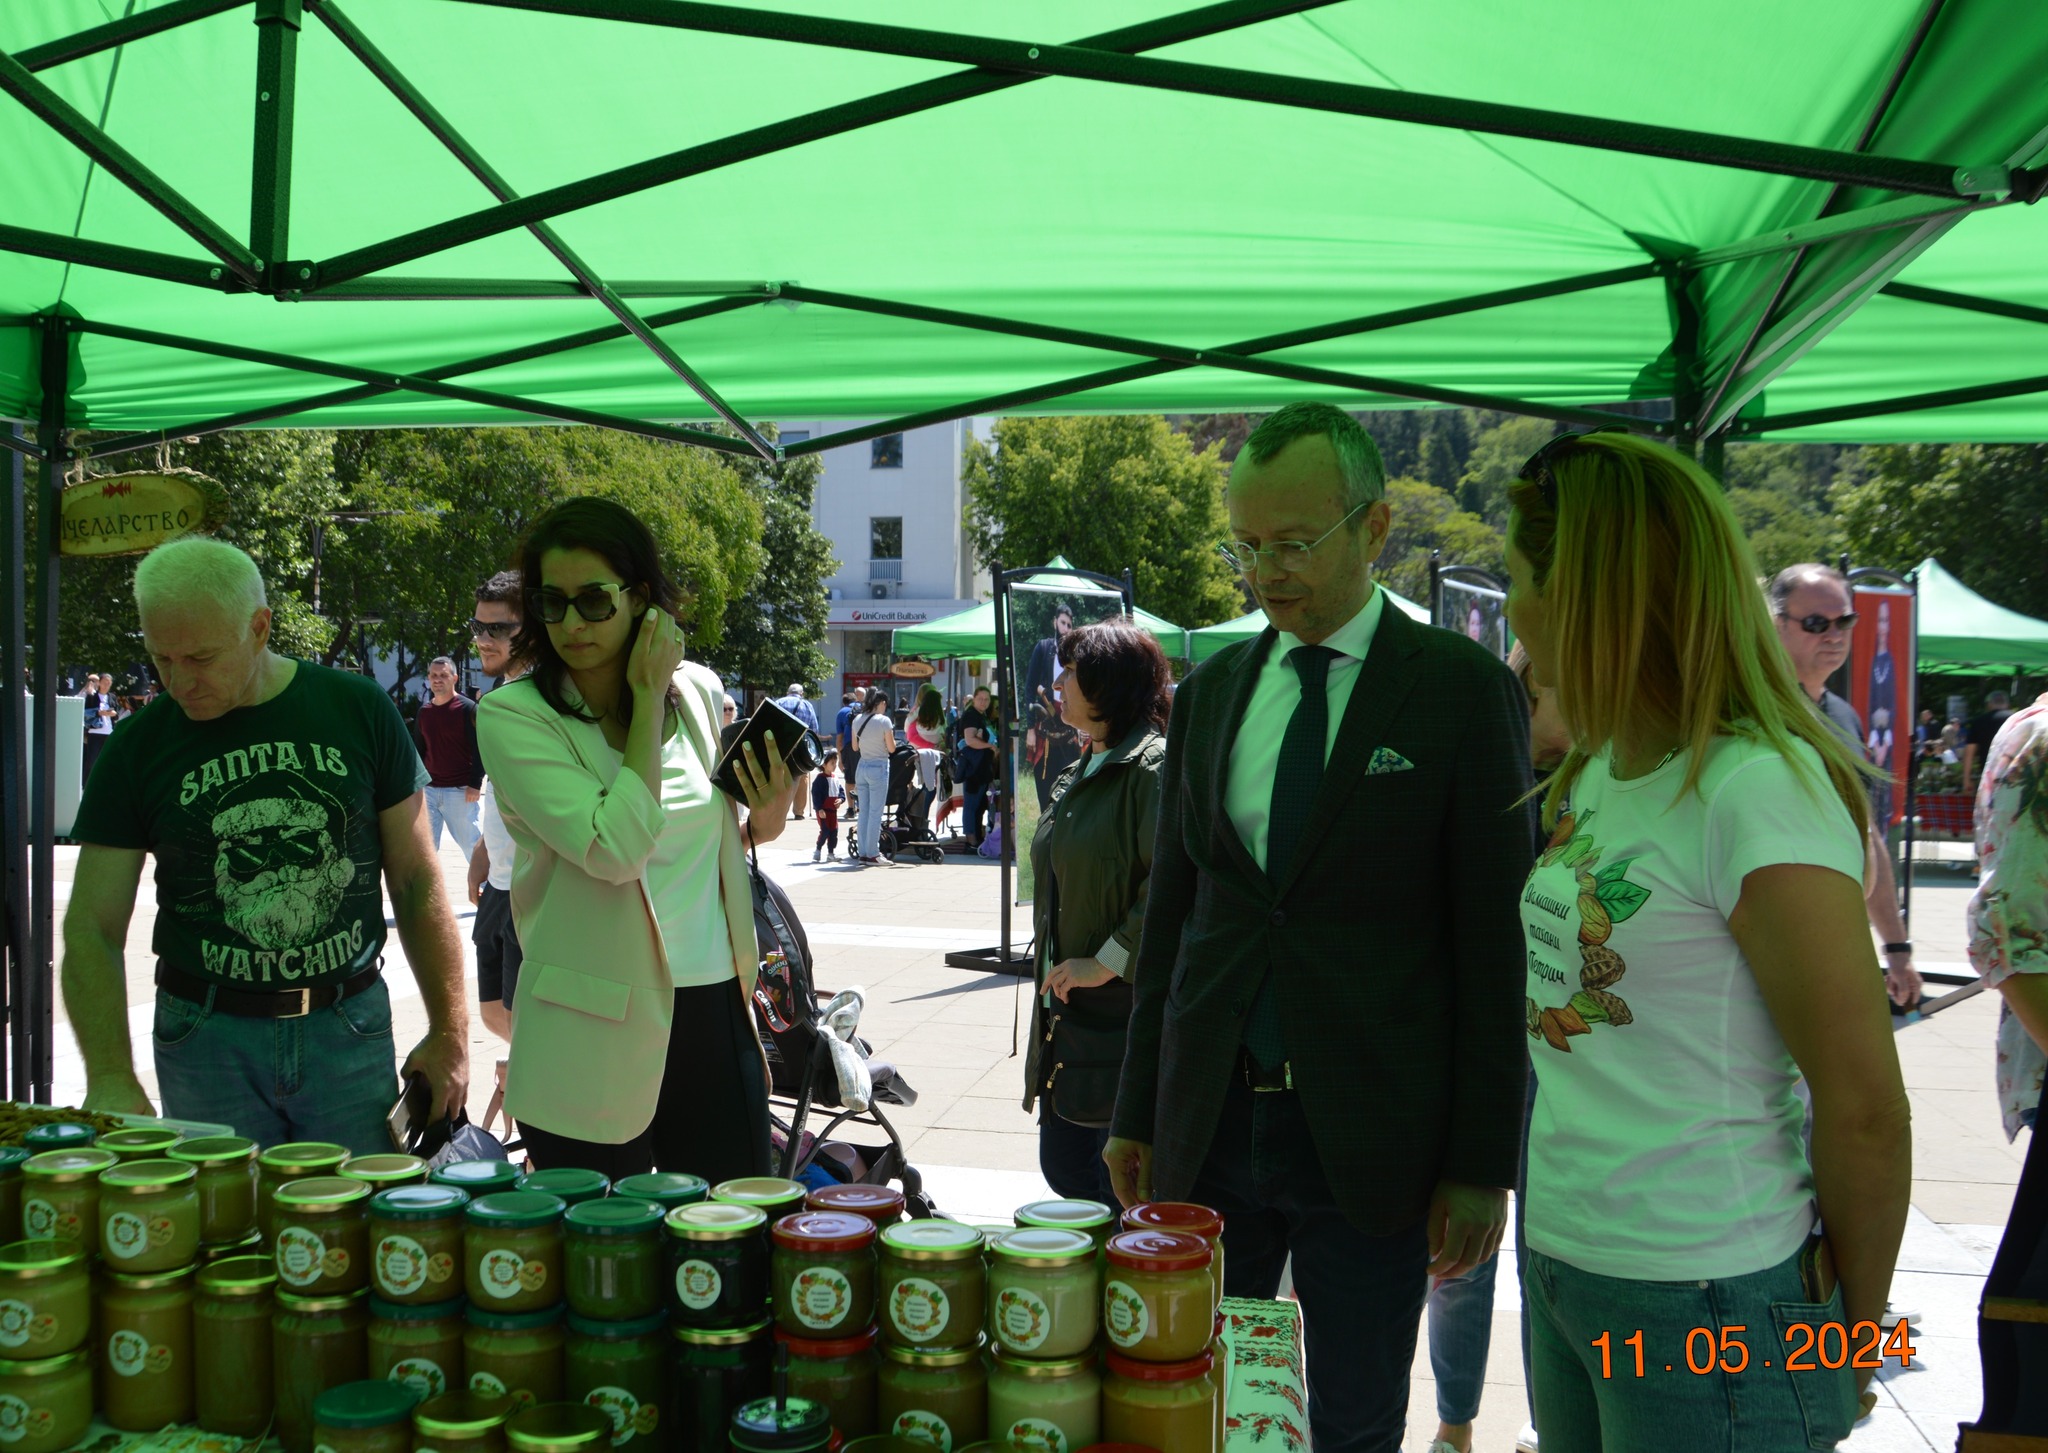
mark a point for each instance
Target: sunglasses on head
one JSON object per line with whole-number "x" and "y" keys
{"x": 1820, "y": 625}
{"x": 597, "y": 602}
{"x": 1537, "y": 467}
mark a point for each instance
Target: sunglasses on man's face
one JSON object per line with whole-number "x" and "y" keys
{"x": 1820, "y": 625}
{"x": 596, "y": 602}
{"x": 491, "y": 630}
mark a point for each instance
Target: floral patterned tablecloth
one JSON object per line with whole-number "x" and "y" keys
{"x": 1267, "y": 1398}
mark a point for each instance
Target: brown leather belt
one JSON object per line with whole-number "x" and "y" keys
{"x": 262, "y": 1003}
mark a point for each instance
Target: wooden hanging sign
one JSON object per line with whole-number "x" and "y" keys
{"x": 130, "y": 514}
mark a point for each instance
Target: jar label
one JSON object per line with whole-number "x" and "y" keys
{"x": 440, "y": 1267}
{"x": 40, "y": 1219}
{"x": 918, "y": 1308}
{"x": 1123, "y": 1314}
{"x": 697, "y": 1284}
{"x": 486, "y": 1384}
{"x": 822, "y": 1298}
{"x": 504, "y": 1274}
{"x": 1036, "y": 1435}
{"x": 127, "y": 1235}
{"x": 18, "y": 1419}
{"x": 17, "y": 1323}
{"x": 422, "y": 1376}
{"x": 130, "y": 1354}
{"x": 919, "y": 1426}
{"x": 301, "y": 1256}
{"x": 401, "y": 1265}
{"x": 630, "y": 1417}
{"x": 1023, "y": 1320}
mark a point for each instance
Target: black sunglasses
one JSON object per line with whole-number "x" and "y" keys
{"x": 594, "y": 603}
{"x": 1536, "y": 468}
{"x": 1820, "y": 625}
{"x": 492, "y": 630}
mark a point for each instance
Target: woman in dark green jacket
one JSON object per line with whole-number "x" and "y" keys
{"x": 1092, "y": 857}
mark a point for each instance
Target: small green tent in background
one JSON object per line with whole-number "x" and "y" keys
{"x": 1206, "y": 642}
{"x": 971, "y": 634}
{"x": 1962, "y": 632}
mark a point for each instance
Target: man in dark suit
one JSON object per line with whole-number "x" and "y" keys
{"x": 1327, "y": 1044}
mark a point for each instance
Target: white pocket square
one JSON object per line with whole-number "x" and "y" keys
{"x": 1386, "y": 759}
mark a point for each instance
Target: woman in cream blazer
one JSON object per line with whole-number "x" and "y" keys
{"x": 633, "y": 1044}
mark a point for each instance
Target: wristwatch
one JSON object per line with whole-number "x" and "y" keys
{"x": 1898, "y": 948}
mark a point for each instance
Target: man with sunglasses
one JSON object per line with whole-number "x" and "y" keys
{"x": 1815, "y": 616}
{"x": 494, "y": 628}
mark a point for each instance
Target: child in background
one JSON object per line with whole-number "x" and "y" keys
{"x": 826, "y": 793}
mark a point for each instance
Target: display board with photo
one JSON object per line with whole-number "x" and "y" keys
{"x": 1474, "y": 611}
{"x": 1881, "y": 668}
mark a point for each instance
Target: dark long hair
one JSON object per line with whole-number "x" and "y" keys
{"x": 931, "y": 708}
{"x": 1122, "y": 672}
{"x": 627, "y": 545}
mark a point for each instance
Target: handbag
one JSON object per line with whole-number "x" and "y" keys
{"x": 1083, "y": 1058}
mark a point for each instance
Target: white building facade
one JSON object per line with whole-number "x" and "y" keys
{"x": 895, "y": 510}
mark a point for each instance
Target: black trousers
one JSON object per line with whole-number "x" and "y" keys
{"x": 712, "y": 1117}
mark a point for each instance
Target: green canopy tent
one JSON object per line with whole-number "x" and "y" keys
{"x": 1962, "y": 632}
{"x": 971, "y": 634}
{"x": 1208, "y": 640}
{"x": 1799, "y": 222}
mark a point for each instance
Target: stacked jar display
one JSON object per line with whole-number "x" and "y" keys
{"x": 417, "y": 1306}
{"x": 1160, "y": 1299}
{"x": 931, "y": 1291}
{"x": 716, "y": 1288}
{"x": 513, "y": 1275}
{"x": 823, "y": 1282}
{"x": 1044, "y": 1307}
{"x": 615, "y": 1357}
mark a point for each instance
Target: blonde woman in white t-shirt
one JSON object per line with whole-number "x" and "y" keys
{"x": 1697, "y": 941}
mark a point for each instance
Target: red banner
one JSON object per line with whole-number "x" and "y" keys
{"x": 1881, "y": 688}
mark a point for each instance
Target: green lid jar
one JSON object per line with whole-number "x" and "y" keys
{"x": 668, "y": 1189}
{"x": 478, "y": 1177}
{"x": 59, "y": 1135}
{"x": 45, "y": 1299}
{"x": 516, "y": 1355}
{"x": 461, "y": 1422}
{"x": 931, "y": 1289}
{"x": 225, "y": 1175}
{"x": 1044, "y": 1292}
{"x": 416, "y": 1239}
{"x": 558, "y": 1428}
{"x": 573, "y": 1185}
{"x": 1098, "y": 1220}
{"x": 512, "y": 1251}
{"x": 713, "y": 1374}
{"x": 144, "y": 1332}
{"x": 419, "y": 1346}
{"x": 613, "y": 1261}
{"x": 295, "y": 1160}
{"x": 773, "y": 1196}
{"x": 323, "y": 1236}
{"x": 718, "y": 1265}
{"x": 12, "y": 1157}
{"x": 149, "y": 1215}
{"x": 149, "y": 1142}
{"x": 45, "y": 1404}
{"x": 382, "y": 1172}
{"x": 619, "y": 1368}
{"x": 60, "y": 1195}
{"x": 364, "y": 1417}
{"x": 232, "y": 1370}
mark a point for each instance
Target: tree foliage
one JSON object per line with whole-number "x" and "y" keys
{"x": 1981, "y": 509}
{"x": 1428, "y": 519}
{"x": 772, "y": 628}
{"x": 1108, "y": 492}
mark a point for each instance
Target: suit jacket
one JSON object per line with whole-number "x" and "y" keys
{"x": 591, "y": 1015}
{"x": 1394, "y": 936}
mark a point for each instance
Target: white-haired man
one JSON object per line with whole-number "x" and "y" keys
{"x": 797, "y": 702}
{"x": 277, "y": 797}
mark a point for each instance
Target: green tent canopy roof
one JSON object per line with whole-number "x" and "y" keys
{"x": 1960, "y": 630}
{"x": 1208, "y": 640}
{"x": 1773, "y": 221}
{"x": 971, "y": 634}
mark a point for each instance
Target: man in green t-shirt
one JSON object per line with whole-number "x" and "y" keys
{"x": 280, "y": 800}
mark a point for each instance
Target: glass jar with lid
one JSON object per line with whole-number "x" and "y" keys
{"x": 514, "y": 1354}
{"x": 225, "y": 1176}
{"x": 418, "y": 1345}
{"x": 668, "y": 1189}
{"x": 774, "y": 1425}
{"x": 60, "y": 1195}
{"x": 838, "y": 1372}
{"x": 714, "y": 1373}
{"x": 12, "y": 1157}
{"x": 612, "y": 1259}
{"x": 316, "y": 1343}
{"x": 322, "y": 1235}
{"x": 59, "y": 1135}
{"x": 384, "y": 1171}
{"x": 1098, "y": 1220}
{"x": 45, "y": 1299}
{"x": 571, "y": 1184}
{"x": 1187, "y": 1219}
{"x": 148, "y": 1142}
{"x": 772, "y": 1196}
{"x": 931, "y": 1289}
{"x": 1162, "y": 1404}
{"x": 824, "y": 1274}
{"x": 621, "y": 1369}
{"x": 46, "y": 1403}
{"x": 882, "y": 1205}
{"x": 1055, "y": 1404}
{"x": 295, "y": 1160}
{"x": 416, "y": 1244}
{"x": 512, "y": 1251}
{"x": 718, "y": 1265}
{"x": 1044, "y": 1292}
{"x": 233, "y": 1388}
{"x": 149, "y": 1215}
{"x": 937, "y": 1396}
{"x": 1159, "y": 1303}
{"x": 364, "y": 1417}
{"x": 461, "y": 1422}
{"x": 476, "y": 1177}
{"x": 558, "y": 1428}
{"x": 145, "y": 1341}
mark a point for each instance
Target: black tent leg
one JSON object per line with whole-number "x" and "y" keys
{"x": 33, "y": 1021}
{"x": 14, "y": 909}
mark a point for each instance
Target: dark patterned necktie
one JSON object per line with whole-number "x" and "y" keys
{"x": 1297, "y": 778}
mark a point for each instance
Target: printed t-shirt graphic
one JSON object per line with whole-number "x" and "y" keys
{"x": 263, "y": 824}
{"x": 1666, "y": 1141}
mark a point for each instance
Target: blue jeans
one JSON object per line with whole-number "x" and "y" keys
{"x": 1070, "y": 1158}
{"x": 1460, "y": 1326}
{"x": 330, "y": 1075}
{"x": 1752, "y": 1409}
{"x": 452, "y": 806}
{"x": 873, "y": 773}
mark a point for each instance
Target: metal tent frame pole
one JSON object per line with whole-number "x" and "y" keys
{"x": 16, "y": 945}
{"x": 33, "y": 1003}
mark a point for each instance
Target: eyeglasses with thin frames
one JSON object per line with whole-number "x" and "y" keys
{"x": 1290, "y": 555}
{"x": 598, "y": 601}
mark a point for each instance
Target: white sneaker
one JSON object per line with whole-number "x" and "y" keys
{"x": 1525, "y": 1441}
{"x": 1895, "y": 1314}
{"x": 814, "y": 854}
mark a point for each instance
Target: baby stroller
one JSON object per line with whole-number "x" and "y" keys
{"x": 816, "y": 1061}
{"x": 907, "y": 815}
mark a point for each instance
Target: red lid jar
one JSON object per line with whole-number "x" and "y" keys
{"x": 882, "y": 1205}
{"x": 1158, "y": 1297}
{"x": 824, "y": 1274}
{"x": 1188, "y": 1219}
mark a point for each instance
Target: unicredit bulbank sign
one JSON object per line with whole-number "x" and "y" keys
{"x": 884, "y": 615}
